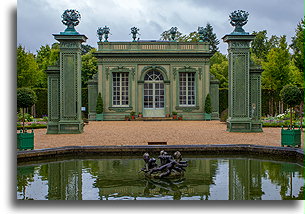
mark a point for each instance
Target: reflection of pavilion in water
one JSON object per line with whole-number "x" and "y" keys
{"x": 119, "y": 178}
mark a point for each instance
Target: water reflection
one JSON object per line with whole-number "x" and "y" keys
{"x": 118, "y": 179}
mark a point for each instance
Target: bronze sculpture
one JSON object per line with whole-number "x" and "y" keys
{"x": 238, "y": 19}
{"x": 70, "y": 18}
{"x": 170, "y": 166}
{"x": 134, "y": 32}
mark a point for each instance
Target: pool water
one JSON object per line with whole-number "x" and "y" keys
{"x": 119, "y": 179}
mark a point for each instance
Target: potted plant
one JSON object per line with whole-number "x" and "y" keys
{"x": 132, "y": 115}
{"x": 127, "y": 117}
{"x": 207, "y": 108}
{"x": 167, "y": 115}
{"x": 26, "y": 98}
{"x": 180, "y": 117}
{"x": 99, "y": 108}
{"x": 174, "y": 115}
{"x": 140, "y": 114}
{"x": 292, "y": 96}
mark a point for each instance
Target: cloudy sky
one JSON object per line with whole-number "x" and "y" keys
{"x": 37, "y": 20}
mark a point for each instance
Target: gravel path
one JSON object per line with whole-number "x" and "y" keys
{"x": 108, "y": 133}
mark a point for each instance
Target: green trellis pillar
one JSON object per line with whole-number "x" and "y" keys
{"x": 214, "y": 92}
{"x": 239, "y": 118}
{"x": 92, "y": 97}
{"x": 70, "y": 120}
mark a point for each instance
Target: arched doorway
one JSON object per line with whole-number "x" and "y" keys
{"x": 153, "y": 94}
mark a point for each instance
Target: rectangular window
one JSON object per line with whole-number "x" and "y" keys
{"x": 186, "y": 89}
{"x": 120, "y": 89}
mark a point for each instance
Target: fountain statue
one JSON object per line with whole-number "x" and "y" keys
{"x": 170, "y": 166}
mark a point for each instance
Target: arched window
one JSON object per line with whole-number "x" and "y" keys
{"x": 153, "y": 75}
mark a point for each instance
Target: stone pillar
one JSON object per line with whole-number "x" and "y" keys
{"x": 239, "y": 118}
{"x": 53, "y": 99}
{"x": 70, "y": 121}
{"x": 214, "y": 92}
{"x": 92, "y": 97}
{"x": 256, "y": 99}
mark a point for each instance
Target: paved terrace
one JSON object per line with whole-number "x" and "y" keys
{"x": 116, "y": 133}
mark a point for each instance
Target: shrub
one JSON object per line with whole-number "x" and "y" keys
{"x": 292, "y": 96}
{"x": 207, "y": 105}
{"x": 99, "y": 104}
{"x": 26, "y": 98}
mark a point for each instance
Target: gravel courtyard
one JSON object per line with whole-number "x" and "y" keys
{"x": 106, "y": 133}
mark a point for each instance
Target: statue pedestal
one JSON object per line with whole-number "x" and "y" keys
{"x": 65, "y": 87}
{"x": 241, "y": 92}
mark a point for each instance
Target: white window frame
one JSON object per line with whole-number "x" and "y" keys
{"x": 187, "y": 90}
{"x": 120, "y": 87}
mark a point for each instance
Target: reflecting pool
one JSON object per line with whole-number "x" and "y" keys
{"x": 119, "y": 179}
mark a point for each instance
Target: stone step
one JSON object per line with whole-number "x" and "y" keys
{"x": 153, "y": 118}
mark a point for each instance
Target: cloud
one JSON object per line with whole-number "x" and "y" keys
{"x": 38, "y": 20}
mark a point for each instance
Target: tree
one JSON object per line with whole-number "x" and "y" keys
{"x": 208, "y": 105}
{"x": 26, "y": 98}
{"x": 89, "y": 66}
{"x": 276, "y": 67}
{"x": 259, "y": 46}
{"x": 212, "y": 38}
{"x": 219, "y": 66}
{"x": 292, "y": 96}
{"x": 28, "y": 73}
{"x": 99, "y": 104}
{"x": 297, "y": 47}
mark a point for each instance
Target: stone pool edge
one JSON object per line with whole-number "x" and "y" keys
{"x": 280, "y": 152}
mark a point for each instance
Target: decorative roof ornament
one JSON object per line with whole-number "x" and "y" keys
{"x": 238, "y": 19}
{"x": 100, "y": 33}
{"x": 173, "y": 31}
{"x": 134, "y": 32}
{"x": 70, "y": 18}
{"x": 106, "y": 31}
{"x": 103, "y": 32}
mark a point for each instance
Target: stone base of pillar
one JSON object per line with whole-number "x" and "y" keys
{"x": 242, "y": 125}
{"x": 73, "y": 127}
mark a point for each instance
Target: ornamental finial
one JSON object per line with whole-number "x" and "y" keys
{"x": 70, "y": 18}
{"x": 238, "y": 19}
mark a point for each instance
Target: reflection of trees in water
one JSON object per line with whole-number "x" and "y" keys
{"x": 282, "y": 174}
{"x": 25, "y": 175}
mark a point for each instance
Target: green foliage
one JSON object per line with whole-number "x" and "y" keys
{"x": 41, "y": 106}
{"x": 99, "y": 104}
{"x": 89, "y": 66}
{"x": 194, "y": 37}
{"x": 27, "y": 117}
{"x": 276, "y": 67}
{"x": 212, "y": 38}
{"x": 174, "y": 113}
{"x": 166, "y": 35}
{"x": 208, "y": 105}
{"x": 298, "y": 47}
{"x": 26, "y": 98}
{"x": 219, "y": 68}
{"x": 291, "y": 95}
{"x": 46, "y": 56}
{"x": 28, "y": 73}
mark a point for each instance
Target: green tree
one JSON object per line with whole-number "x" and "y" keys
{"x": 26, "y": 98}
{"x": 259, "y": 46}
{"x": 28, "y": 73}
{"x": 292, "y": 96}
{"x": 208, "y": 105}
{"x": 219, "y": 66}
{"x": 46, "y": 56}
{"x": 297, "y": 47}
{"x": 99, "y": 104}
{"x": 89, "y": 66}
{"x": 166, "y": 35}
{"x": 277, "y": 67}
{"x": 212, "y": 38}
